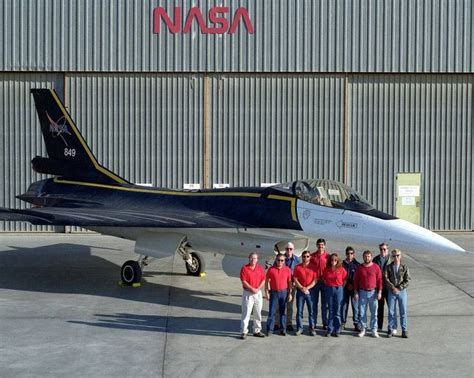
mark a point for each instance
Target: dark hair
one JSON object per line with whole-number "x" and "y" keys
{"x": 383, "y": 244}
{"x": 349, "y": 248}
{"x": 321, "y": 240}
{"x": 307, "y": 252}
{"x": 339, "y": 261}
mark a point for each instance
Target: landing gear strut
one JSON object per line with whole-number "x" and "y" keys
{"x": 195, "y": 265}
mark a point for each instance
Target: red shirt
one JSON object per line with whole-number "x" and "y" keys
{"x": 304, "y": 274}
{"x": 368, "y": 277}
{"x": 318, "y": 263}
{"x": 254, "y": 277}
{"x": 335, "y": 277}
{"x": 279, "y": 277}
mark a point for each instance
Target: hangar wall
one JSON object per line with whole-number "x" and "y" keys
{"x": 352, "y": 91}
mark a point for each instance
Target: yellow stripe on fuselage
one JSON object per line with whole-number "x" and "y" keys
{"x": 292, "y": 200}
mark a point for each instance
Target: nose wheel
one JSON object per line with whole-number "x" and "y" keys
{"x": 131, "y": 272}
{"x": 194, "y": 264}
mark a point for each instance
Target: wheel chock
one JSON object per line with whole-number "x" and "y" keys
{"x": 136, "y": 284}
{"x": 202, "y": 274}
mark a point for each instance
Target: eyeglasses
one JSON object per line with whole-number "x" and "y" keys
{"x": 349, "y": 253}
{"x": 306, "y": 257}
{"x": 383, "y": 249}
{"x": 280, "y": 260}
{"x": 289, "y": 249}
{"x": 393, "y": 256}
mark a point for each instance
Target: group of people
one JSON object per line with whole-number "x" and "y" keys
{"x": 325, "y": 279}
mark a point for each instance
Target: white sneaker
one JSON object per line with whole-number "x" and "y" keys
{"x": 361, "y": 333}
{"x": 375, "y": 334}
{"x": 394, "y": 331}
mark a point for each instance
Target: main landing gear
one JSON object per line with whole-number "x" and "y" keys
{"x": 131, "y": 272}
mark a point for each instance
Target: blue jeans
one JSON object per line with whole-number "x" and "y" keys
{"x": 349, "y": 295}
{"x": 301, "y": 299}
{"x": 368, "y": 298}
{"x": 277, "y": 298}
{"x": 319, "y": 288}
{"x": 401, "y": 298}
{"x": 334, "y": 298}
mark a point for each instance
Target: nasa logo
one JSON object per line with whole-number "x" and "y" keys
{"x": 217, "y": 16}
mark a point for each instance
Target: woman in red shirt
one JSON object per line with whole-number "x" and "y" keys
{"x": 334, "y": 277}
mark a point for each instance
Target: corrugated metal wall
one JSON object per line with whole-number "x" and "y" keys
{"x": 268, "y": 129}
{"x": 147, "y": 128}
{"x": 20, "y": 138}
{"x": 290, "y": 36}
{"x": 415, "y": 123}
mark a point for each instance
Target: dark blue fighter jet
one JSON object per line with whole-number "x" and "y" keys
{"x": 162, "y": 222}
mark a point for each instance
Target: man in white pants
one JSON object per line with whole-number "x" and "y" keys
{"x": 252, "y": 276}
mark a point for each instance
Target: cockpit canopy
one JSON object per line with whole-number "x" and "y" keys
{"x": 326, "y": 193}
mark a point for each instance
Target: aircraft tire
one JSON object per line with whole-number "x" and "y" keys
{"x": 198, "y": 265}
{"x": 131, "y": 272}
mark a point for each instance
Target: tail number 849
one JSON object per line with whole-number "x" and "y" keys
{"x": 70, "y": 152}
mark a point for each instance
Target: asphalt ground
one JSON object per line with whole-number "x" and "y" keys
{"x": 62, "y": 313}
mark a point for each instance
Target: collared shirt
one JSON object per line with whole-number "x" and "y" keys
{"x": 368, "y": 277}
{"x": 350, "y": 268}
{"x": 292, "y": 262}
{"x": 304, "y": 274}
{"x": 318, "y": 263}
{"x": 279, "y": 277}
{"x": 381, "y": 261}
{"x": 334, "y": 278}
{"x": 254, "y": 277}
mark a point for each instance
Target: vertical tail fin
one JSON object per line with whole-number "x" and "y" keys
{"x": 69, "y": 155}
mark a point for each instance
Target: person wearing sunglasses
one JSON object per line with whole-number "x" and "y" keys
{"x": 304, "y": 279}
{"x": 382, "y": 260}
{"x": 278, "y": 291}
{"x": 252, "y": 276}
{"x": 334, "y": 279}
{"x": 291, "y": 260}
{"x": 350, "y": 264}
{"x": 397, "y": 277}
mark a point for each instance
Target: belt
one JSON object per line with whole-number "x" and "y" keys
{"x": 368, "y": 289}
{"x": 278, "y": 291}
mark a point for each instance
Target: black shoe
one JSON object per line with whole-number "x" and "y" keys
{"x": 356, "y": 328}
{"x": 405, "y": 334}
{"x": 328, "y": 334}
{"x": 389, "y": 333}
{"x": 243, "y": 336}
{"x": 282, "y": 333}
{"x": 325, "y": 326}
{"x": 334, "y": 334}
{"x": 259, "y": 334}
{"x": 290, "y": 328}
{"x": 277, "y": 327}
{"x": 343, "y": 326}
{"x": 269, "y": 333}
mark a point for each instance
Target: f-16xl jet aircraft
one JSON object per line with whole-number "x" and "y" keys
{"x": 162, "y": 222}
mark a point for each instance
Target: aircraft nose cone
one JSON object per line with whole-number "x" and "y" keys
{"x": 410, "y": 237}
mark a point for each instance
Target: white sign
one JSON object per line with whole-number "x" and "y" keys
{"x": 408, "y": 201}
{"x": 334, "y": 192}
{"x": 409, "y": 190}
{"x": 192, "y": 186}
{"x": 220, "y": 186}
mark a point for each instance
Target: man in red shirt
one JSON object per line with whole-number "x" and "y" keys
{"x": 368, "y": 291}
{"x": 304, "y": 278}
{"x": 252, "y": 276}
{"x": 278, "y": 290}
{"x": 318, "y": 264}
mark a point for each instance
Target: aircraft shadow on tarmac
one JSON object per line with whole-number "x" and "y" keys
{"x": 177, "y": 324}
{"x": 71, "y": 269}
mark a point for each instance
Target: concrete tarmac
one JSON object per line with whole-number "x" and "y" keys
{"x": 62, "y": 313}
